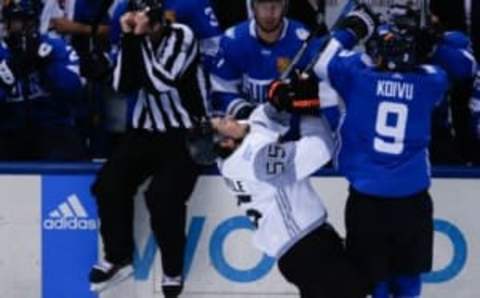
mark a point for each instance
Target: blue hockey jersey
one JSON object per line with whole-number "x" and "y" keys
{"x": 385, "y": 132}
{"x": 48, "y": 95}
{"x": 245, "y": 65}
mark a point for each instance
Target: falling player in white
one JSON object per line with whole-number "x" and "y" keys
{"x": 270, "y": 178}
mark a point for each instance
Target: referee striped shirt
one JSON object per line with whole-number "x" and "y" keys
{"x": 167, "y": 75}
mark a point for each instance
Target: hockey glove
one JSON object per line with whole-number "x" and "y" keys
{"x": 306, "y": 100}
{"x": 362, "y": 22}
{"x": 280, "y": 95}
{"x": 300, "y": 95}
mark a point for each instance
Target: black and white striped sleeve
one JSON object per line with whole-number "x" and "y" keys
{"x": 165, "y": 64}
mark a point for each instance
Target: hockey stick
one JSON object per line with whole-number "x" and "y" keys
{"x": 286, "y": 73}
{"x": 348, "y": 7}
{"x": 315, "y": 103}
{"x": 92, "y": 58}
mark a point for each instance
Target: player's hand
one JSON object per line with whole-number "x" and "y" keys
{"x": 280, "y": 95}
{"x": 299, "y": 95}
{"x": 127, "y": 22}
{"x": 362, "y": 21}
{"x": 142, "y": 23}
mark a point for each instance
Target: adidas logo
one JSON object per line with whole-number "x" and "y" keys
{"x": 69, "y": 215}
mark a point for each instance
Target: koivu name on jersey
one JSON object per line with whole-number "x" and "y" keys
{"x": 394, "y": 89}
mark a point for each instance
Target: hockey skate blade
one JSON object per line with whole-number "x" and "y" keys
{"x": 120, "y": 276}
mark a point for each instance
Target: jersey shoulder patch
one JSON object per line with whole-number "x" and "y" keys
{"x": 230, "y": 33}
{"x": 302, "y": 33}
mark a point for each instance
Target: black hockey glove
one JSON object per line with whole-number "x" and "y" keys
{"x": 281, "y": 95}
{"x": 300, "y": 95}
{"x": 362, "y": 21}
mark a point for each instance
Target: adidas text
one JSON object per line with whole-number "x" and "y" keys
{"x": 70, "y": 224}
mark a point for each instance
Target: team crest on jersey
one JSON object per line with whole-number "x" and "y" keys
{"x": 282, "y": 64}
{"x": 170, "y": 15}
{"x": 302, "y": 34}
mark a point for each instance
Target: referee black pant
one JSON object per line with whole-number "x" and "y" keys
{"x": 164, "y": 158}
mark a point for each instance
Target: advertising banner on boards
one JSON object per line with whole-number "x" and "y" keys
{"x": 51, "y": 224}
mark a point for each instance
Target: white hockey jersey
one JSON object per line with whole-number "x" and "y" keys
{"x": 271, "y": 179}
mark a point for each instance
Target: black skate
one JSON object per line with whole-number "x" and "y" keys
{"x": 172, "y": 286}
{"x": 105, "y": 275}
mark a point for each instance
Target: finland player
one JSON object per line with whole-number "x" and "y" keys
{"x": 40, "y": 90}
{"x": 255, "y": 53}
{"x": 389, "y": 97}
{"x": 271, "y": 182}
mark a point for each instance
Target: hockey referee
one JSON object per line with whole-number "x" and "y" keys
{"x": 159, "y": 62}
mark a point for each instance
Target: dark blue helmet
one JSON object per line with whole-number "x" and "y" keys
{"x": 203, "y": 143}
{"x": 394, "y": 45}
{"x": 392, "y": 49}
{"x": 25, "y": 9}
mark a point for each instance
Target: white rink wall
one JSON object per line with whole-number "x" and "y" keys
{"x": 44, "y": 256}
